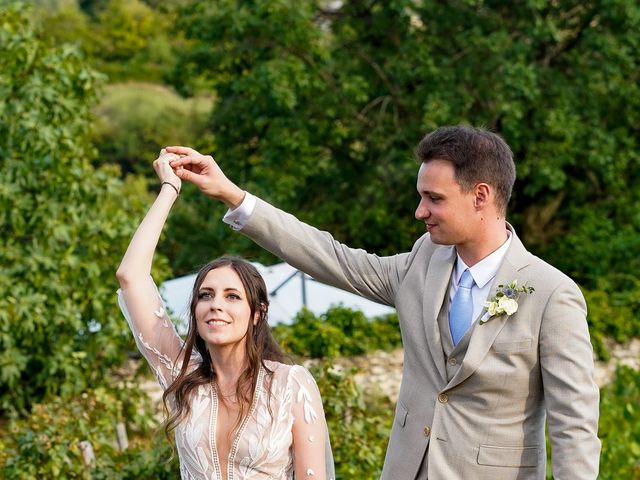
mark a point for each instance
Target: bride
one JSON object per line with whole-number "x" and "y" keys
{"x": 235, "y": 409}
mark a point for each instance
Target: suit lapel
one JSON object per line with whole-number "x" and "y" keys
{"x": 435, "y": 292}
{"x": 483, "y": 336}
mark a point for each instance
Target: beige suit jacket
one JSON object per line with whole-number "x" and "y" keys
{"x": 488, "y": 421}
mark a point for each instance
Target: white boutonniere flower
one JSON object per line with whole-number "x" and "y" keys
{"x": 505, "y": 301}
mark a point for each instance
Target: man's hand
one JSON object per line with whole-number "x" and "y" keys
{"x": 204, "y": 173}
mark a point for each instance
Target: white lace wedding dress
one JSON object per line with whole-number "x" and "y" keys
{"x": 263, "y": 445}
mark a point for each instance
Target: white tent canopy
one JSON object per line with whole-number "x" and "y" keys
{"x": 287, "y": 289}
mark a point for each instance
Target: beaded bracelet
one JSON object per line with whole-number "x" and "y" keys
{"x": 172, "y": 186}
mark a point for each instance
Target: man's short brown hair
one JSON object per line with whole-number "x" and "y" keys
{"x": 477, "y": 155}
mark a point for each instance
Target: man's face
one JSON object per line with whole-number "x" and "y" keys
{"x": 448, "y": 213}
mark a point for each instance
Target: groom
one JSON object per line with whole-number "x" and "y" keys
{"x": 479, "y": 381}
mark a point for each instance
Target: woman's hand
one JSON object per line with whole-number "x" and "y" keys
{"x": 164, "y": 171}
{"x": 204, "y": 172}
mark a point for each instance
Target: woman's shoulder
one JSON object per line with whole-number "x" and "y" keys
{"x": 285, "y": 372}
{"x": 277, "y": 368}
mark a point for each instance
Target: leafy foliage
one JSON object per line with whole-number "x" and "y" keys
{"x": 47, "y": 443}
{"x": 65, "y": 224}
{"x": 320, "y": 106}
{"x": 135, "y": 120}
{"x": 124, "y": 39}
{"x": 619, "y": 427}
{"x": 359, "y": 427}
{"x": 614, "y": 310}
{"x": 339, "y": 332}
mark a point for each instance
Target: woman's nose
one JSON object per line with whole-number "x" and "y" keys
{"x": 215, "y": 303}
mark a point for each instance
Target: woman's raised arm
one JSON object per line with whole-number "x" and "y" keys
{"x": 138, "y": 296}
{"x": 136, "y": 263}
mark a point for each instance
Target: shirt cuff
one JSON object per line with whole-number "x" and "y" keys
{"x": 239, "y": 216}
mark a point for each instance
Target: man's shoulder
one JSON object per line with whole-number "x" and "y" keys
{"x": 551, "y": 277}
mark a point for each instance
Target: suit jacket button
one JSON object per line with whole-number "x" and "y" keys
{"x": 427, "y": 431}
{"x": 443, "y": 398}
{"x": 452, "y": 361}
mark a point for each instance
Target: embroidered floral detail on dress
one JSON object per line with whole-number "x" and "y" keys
{"x": 310, "y": 415}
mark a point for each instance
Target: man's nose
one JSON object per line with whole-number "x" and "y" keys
{"x": 422, "y": 212}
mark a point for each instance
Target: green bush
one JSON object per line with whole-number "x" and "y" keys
{"x": 359, "y": 426}
{"x": 340, "y": 331}
{"x": 46, "y": 444}
{"x": 619, "y": 427}
{"x": 613, "y": 311}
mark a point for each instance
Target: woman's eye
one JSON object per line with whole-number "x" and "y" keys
{"x": 204, "y": 296}
{"x": 233, "y": 296}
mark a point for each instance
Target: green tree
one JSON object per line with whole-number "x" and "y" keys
{"x": 63, "y": 224}
{"x": 135, "y": 120}
{"x": 319, "y": 107}
{"x": 288, "y": 120}
{"x": 319, "y": 110}
{"x": 123, "y": 39}
{"x": 133, "y": 40}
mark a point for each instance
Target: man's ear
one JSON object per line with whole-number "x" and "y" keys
{"x": 482, "y": 196}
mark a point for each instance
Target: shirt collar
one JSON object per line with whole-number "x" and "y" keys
{"x": 483, "y": 271}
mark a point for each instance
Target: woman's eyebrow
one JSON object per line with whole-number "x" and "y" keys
{"x": 233, "y": 289}
{"x": 209, "y": 289}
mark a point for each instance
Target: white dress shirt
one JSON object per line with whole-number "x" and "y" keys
{"x": 483, "y": 273}
{"x": 239, "y": 216}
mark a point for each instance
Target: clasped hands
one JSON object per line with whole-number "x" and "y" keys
{"x": 202, "y": 170}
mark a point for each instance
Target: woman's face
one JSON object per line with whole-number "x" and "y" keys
{"x": 222, "y": 310}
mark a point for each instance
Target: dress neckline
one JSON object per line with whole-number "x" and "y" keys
{"x": 213, "y": 423}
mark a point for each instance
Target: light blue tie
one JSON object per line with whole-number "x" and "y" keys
{"x": 461, "y": 308}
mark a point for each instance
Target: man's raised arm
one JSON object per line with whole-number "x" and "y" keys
{"x": 310, "y": 250}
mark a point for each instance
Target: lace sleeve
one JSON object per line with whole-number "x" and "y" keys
{"x": 312, "y": 449}
{"x": 152, "y": 329}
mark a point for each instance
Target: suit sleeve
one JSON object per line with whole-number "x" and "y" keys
{"x": 571, "y": 394}
{"x": 318, "y": 254}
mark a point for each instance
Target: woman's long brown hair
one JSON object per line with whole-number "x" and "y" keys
{"x": 260, "y": 346}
